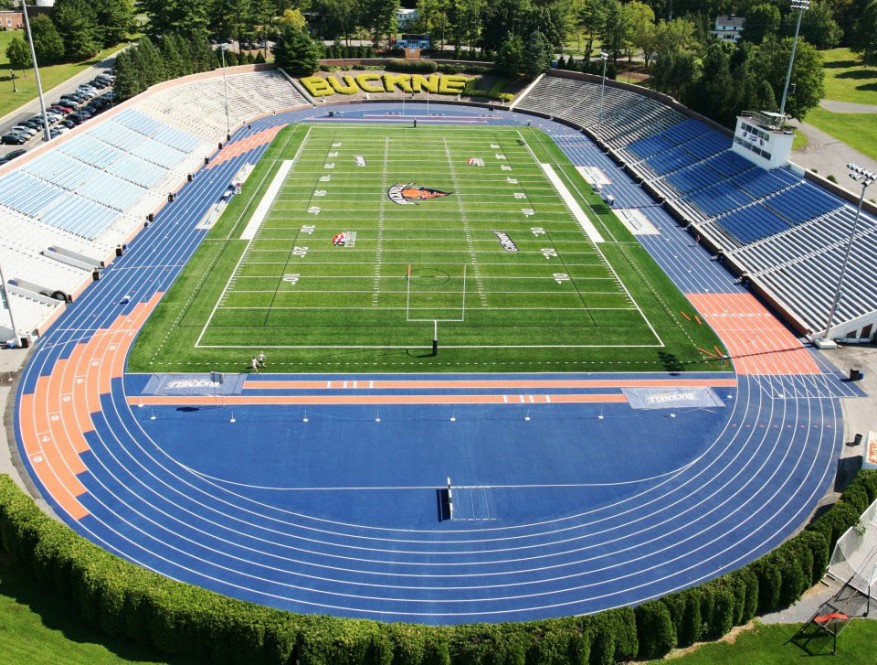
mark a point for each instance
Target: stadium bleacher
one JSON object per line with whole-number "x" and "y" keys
{"x": 780, "y": 228}
{"x": 90, "y": 193}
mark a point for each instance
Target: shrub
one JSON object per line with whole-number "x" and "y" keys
{"x": 413, "y": 66}
{"x": 655, "y": 630}
{"x": 684, "y": 610}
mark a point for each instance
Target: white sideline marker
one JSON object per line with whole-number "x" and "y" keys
{"x": 267, "y": 201}
{"x": 574, "y": 207}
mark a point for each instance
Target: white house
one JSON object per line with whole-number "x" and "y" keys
{"x": 728, "y": 28}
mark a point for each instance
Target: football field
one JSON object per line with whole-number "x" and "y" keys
{"x": 369, "y": 246}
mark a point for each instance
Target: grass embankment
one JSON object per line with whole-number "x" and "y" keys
{"x": 774, "y": 645}
{"x": 848, "y": 80}
{"x": 36, "y": 629}
{"x": 50, "y": 75}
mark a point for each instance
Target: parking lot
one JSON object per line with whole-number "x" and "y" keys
{"x": 75, "y": 101}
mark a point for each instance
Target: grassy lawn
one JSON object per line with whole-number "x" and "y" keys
{"x": 500, "y": 263}
{"x": 50, "y": 76}
{"x": 858, "y": 130}
{"x": 771, "y": 645}
{"x": 6, "y": 36}
{"x": 37, "y": 629}
{"x": 847, "y": 79}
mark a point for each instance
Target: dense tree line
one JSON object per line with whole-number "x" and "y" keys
{"x": 75, "y": 31}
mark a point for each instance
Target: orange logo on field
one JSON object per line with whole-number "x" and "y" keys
{"x": 410, "y": 194}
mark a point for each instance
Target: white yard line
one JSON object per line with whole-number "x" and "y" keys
{"x": 267, "y": 201}
{"x": 573, "y": 206}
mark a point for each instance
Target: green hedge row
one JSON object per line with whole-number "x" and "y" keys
{"x": 126, "y": 600}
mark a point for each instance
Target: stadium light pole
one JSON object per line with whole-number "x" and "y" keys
{"x": 604, "y": 57}
{"x": 36, "y": 70}
{"x": 865, "y": 177}
{"x": 801, "y": 6}
{"x": 225, "y": 93}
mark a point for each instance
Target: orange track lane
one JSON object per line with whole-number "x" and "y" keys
{"x": 239, "y": 147}
{"x": 291, "y": 400}
{"x": 56, "y": 416}
{"x": 466, "y": 384}
{"x": 756, "y": 340}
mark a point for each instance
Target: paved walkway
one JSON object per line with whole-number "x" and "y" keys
{"x": 829, "y": 156}
{"x": 847, "y": 107}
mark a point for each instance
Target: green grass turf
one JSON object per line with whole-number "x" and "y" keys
{"x": 847, "y": 79}
{"x": 559, "y": 303}
{"x": 38, "y": 629}
{"x": 858, "y": 130}
{"x": 772, "y": 645}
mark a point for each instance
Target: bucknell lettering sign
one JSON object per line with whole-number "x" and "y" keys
{"x": 374, "y": 82}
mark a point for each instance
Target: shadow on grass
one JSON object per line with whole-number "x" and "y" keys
{"x": 17, "y": 585}
{"x": 859, "y": 74}
{"x": 813, "y": 641}
{"x": 842, "y": 64}
{"x": 868, "y": 87}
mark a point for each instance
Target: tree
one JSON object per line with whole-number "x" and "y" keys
{"x": 46, "y": 41}
{"x": 291, "y": 17}
{"x": 510, "y": 57}
{"x": 674, "y": 37}
{"x": 771, "y": 60}
{"x": 76, "y": 21}
{"x": 296, "y": 52}
{"x": 115, "y": 19}
{"x": 228, "y": 18}
{"x": 642, "y": 29}
{"x": 591, "y": 17}
{"x": 677, "y": 73}
{"x": 127, "y": 83}
{"x": 339, "y": 18}
{"x": 189, "y": 18}
{"x": 502, "y": 19}
{"x": 537, "y": 54}
{"x": 18, "y": 54}
{"x": 864, "y": 39}
{"x": 150, "y": 64}
{"x": 379, "y": 16}
{"x": 714, "y": 95}
{"x": 432, "y": 19}
{"x": 615, "y": 33}
{"x": 819, "y": 27}
{"x": 761, "y": 21}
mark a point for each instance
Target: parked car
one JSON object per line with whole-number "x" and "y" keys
{"x": 14, "y": 138}
{"x": 24, "y": 129}
{"x": 62, "y": 108}
{"x": 12, "y": 154}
